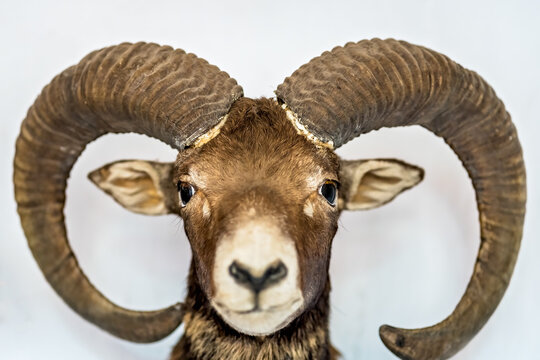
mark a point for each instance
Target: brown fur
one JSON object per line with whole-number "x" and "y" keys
{"x": 258, "y": 162}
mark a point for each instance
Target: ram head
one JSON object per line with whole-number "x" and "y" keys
{"x": 260, "y": 188}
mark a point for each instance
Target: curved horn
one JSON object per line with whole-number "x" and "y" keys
{"x": 385, "y": 83}
{"x": 142, "y": 88}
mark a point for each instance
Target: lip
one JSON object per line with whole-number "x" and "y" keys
{"x": 256, "y": 309}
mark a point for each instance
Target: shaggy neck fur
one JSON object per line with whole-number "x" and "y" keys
{"x": 207, "y": 337}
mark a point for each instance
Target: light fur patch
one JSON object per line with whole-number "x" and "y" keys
{"x": 206, "y": 209}
{"x": 308, "y": 208}
{"x": 210, "y": 134}
{"x": 315, "y": 180}
{"x": 256, "y": 244}
{"x": 302, "y": 130}
{"x": 196, "y": 178}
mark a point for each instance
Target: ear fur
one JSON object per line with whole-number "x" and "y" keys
{"x": 144, "y": 187}
{"x": 367, "y": 184}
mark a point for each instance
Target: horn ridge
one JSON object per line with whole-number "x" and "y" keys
{"x": 392, "y": 83}
{"x": 143, "y": 88}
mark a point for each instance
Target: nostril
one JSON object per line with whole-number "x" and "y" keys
{"x": 275, "y": 273}
{"x": 240, "y": 274}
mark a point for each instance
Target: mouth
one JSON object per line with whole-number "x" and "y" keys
{"x": 257, "y": 309}
{"x": 260, "y": 321}
{"x": 272, "y": 308}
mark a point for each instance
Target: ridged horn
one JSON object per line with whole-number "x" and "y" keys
{"x": 142, "y": 88}
{"x": 371, "y": 84}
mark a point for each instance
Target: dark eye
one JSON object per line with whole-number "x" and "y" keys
{"x": 186, "y": 192}
{"x": 329, "y": 191}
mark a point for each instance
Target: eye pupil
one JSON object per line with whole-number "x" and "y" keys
{"x": 186, "y": 192}
{"x": 329, "y": 191}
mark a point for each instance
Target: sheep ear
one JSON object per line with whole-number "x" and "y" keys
{"x": 367, "y": 184}
{"x": 144, "y": 187}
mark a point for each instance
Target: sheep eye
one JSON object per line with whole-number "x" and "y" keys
{"x": 329, "y": 191}
{"x": 186, "y": 192}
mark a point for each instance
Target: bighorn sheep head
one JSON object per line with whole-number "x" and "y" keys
{"x": 257, "y": 182}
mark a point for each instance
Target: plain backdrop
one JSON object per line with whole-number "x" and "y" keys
{"x": 405, "y": 264}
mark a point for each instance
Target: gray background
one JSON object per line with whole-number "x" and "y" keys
{"x": 405, "y": 264}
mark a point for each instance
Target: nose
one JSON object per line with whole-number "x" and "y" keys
{"x": 272, "y": 275}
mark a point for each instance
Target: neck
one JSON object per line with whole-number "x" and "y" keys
{"x": 206, "y": 336}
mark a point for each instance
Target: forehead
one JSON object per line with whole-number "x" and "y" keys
{"x": 256, "y": 144}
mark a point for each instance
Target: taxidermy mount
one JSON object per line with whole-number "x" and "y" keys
{"x": 260, "y": 188}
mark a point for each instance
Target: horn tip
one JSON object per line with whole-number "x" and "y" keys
{"x": 394, "y": 339}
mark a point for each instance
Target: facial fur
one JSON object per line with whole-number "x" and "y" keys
{"x": 257, "y": 205}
